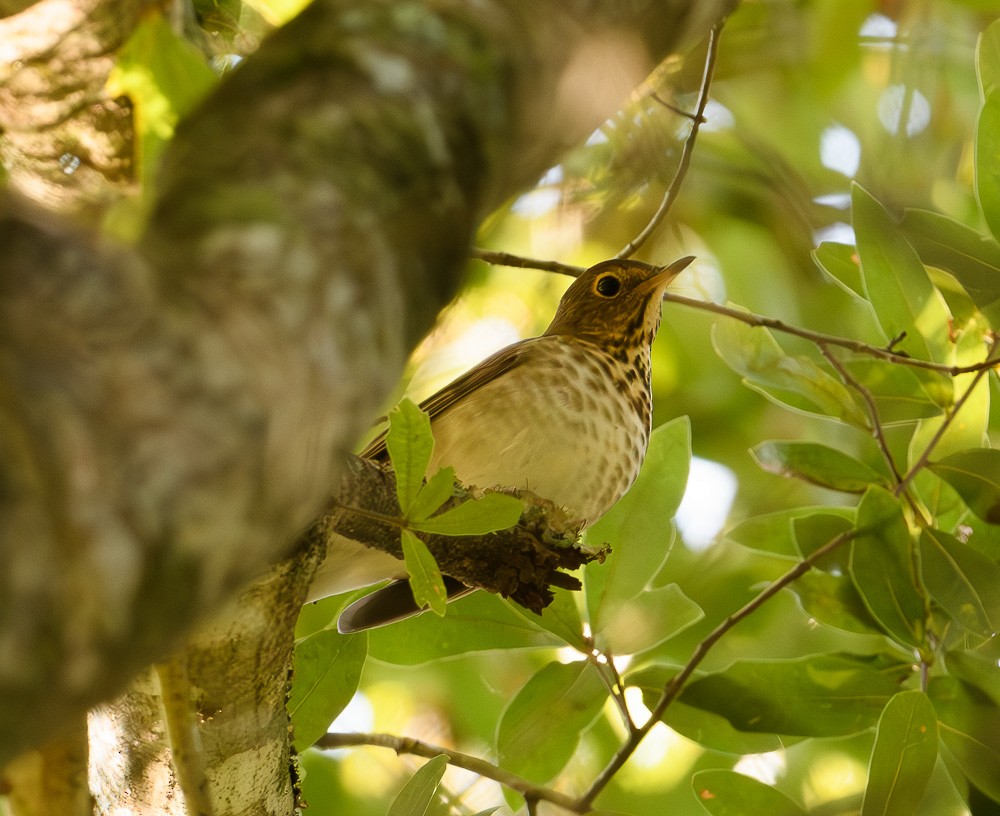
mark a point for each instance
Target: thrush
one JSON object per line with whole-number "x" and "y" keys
{"x": 565, "y": 415}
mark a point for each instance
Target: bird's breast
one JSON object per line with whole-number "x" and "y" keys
{"x": 570, "y": 423}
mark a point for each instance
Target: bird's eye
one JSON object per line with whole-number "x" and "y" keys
{"x": 608, "y": 286}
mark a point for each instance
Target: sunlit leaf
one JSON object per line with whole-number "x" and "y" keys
{"x": 988, "y": 161}
{"x": 705, "y": 727}
{"x": 277, "y": 12}
{"x": 798, "y": 382}
{"x": 988, "y": 59}
{"x": 410, "y": 444}
{"x": 902, "y": 393}
{"x": 897, "y": 283}
{"x": 815, "y": 463}
{"x": 975, "y": 474}
{"x": 561, "y": 618}
{"x": 962, "y": 580}
{"x": 639, "y": 528}
{"x": 425, "y": 577}
{"x": 487, "y": 514}
{"x": 727, "y": 793}
{"x": 973, "y": 258}
{"x": 969, "y": 725}
{"x": 978, "y": 668}
{"x": 817, "y": 696}
{"x": 882, "y": 567}
{"x": 326, "y": 672}
{"x": 775, "y": 532}
{"x": 840, "y": 262}
{"x": 570, "y": 694}
{"x": 478, "y": 622}
{"x": 833, "y": 600}
{"x": 431, "y": 496}
{"x": 815, "y": 530}
{"x": 640, "y": 623}
{"x": 164, "y": 76}
{"x": 418, "y": 792}
{"x": 903, "y": 756}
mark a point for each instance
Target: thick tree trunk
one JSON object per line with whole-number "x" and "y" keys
{"x": 174, "y": 416}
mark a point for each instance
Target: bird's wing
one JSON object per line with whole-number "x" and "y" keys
{"x": 388, "y": 604}
{"x": 488, "y": 370}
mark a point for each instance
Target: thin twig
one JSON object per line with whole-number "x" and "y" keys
{"x": 751, "y": 319}
{"x": 949, "y": 417}
{"x": 407, "y": 745}
{"x": 697, "y": 118}
{"x": 673, "y": 689}
{"x": 521, "y": 262}
{"x": 759, "y": 321}
{"x": 876, "y": 423}
{"x": 613, "y": 680}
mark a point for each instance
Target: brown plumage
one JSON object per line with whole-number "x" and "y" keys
{"x": 565, "y": 415}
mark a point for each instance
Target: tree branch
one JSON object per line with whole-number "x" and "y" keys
{"x": 407, "y": 745}
{"x": 673, "y": 689}
{"x": 522, "y": 563}
{"x": 697, "y": 119}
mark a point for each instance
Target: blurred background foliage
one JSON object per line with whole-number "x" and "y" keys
{"x": 808, "y": 97}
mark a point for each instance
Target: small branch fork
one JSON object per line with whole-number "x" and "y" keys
{"x": 697, "y": 120}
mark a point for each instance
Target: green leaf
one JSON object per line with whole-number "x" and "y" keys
{"x": 569, "y": 697}
{"x": 978, "y": 668}
{"x": 164, "y": 76}
{"x": 969, "y": 725}
{"x": 975, "y": 475}
{"x": 410, "y": 444}
{"x": 797, "y": 382}
{"x": 988, "y": 59}
{"x": 897, "y": 283}
{"x": 841, "y": 264}
{"x": 962, "y": 580}
{"x": 326, "y": 672}
{"x": 833, "y": 600}
{"x": 479, "y": 622}
{"x": 727, "y": 793}
{"x": 704, "y": 727}
{"x": 425, "y": 577}
{"x": 882, "y": 568}
{"x": 561, "y": 618}
{"x": 903, "y": 756}
{"x": 973, "y": 258}
{"x": 823, "y": 695}
{"x": 431, "y": 496}
{"x": 988, "y": 161}
{"x": 815, "y": 530}
{"x": 648, "y": 619}
{"x": 639, "y": 527}
{"x": 817, "y": 464}
{"x": 416, "y": 795}
{"x": 491, "y": 512}
{"x": 775, "y": 532}
{"x": 902, "y": 393}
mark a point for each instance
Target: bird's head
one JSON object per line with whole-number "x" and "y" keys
{"x": 616, "y": 303}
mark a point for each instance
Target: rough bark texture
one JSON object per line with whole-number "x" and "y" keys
{"x": 64, "y": 142}
{"x": 521, "y": 563}
{"x": 172, "y": 418}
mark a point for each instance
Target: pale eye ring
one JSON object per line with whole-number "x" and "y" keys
{"x": 608, "y": 286}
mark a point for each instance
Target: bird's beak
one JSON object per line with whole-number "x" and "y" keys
{"x": 666, "y": 274}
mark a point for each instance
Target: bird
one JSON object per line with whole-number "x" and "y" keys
{"x": 566, "y": 415}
